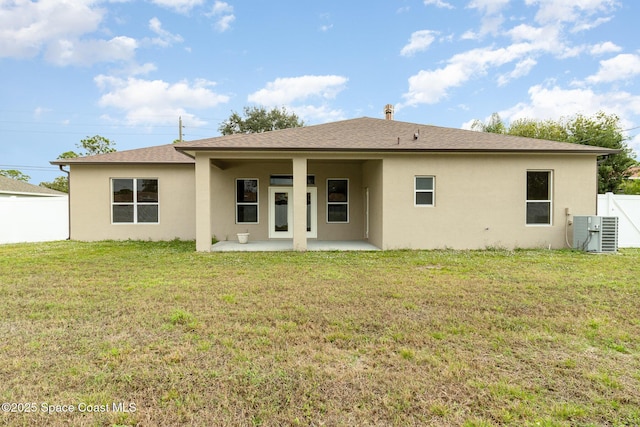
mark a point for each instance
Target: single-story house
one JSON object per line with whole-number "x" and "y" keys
{"x": 390, "y": 183}
{"x": 18, "y": 189}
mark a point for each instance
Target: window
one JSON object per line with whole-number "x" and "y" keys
{"x": 538, "y": 197}
{"x": 424, "y": 189}
{"x": 337, "y": 200}
{"x": 246, "y": 201}
{"x": 134, "y": 201}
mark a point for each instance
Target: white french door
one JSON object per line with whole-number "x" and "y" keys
{"x": 281, "y": 212}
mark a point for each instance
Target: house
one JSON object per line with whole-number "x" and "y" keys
{"x": 393, "y": 184}
{"x": 29, "y": 213}
{"x": 16, "y": 188}
{"x": 634, "y": 172}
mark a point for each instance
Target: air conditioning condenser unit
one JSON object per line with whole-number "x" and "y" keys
{"x": 593, "y": 233}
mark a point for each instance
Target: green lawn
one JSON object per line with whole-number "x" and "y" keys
{"x": 473, "y": 338}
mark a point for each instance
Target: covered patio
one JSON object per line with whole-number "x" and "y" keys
{"x": 287, "y": 245}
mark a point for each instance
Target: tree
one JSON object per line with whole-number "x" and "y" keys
{"x": 14, "y": 174}
{"x": 91, "y": 145}
{"x": 60, "y": 183}
{"x": 494, "y": 125}
{"x": 630, "y": 186}
{"x": 539, "y": 129}
{"x": 604, "y": 130}
{"x": 258, "y": 120}
{"x": 600, "y": 130}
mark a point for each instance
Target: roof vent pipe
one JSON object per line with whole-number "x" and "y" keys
{"x": 388, "y": 112}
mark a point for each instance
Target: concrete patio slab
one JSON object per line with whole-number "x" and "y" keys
{"x": 287, "y": 245}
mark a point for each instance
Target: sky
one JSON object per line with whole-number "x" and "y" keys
{"x": 127, "y": 70}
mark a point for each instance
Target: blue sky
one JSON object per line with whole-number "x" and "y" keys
{"x": 127, "y": 70}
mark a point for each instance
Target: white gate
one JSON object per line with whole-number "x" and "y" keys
{"x": 627, "y": 209}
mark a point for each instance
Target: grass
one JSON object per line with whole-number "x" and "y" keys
{"x": 470, "y": 338}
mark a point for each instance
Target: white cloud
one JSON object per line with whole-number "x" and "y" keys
{"x": 181, "y": 6}
{"x": 223, "y": 12}
{"x": 556, "y": 102}
{"x": 578, "y": 12}
{"x": 588, "y": 24}
{"x": 221, "y": 8}
{"x": 39, "y": 111}
{"x": 26, "y": 28}
{"x": 431, "y": 86}
{"x": 621, "y": 67}
{"x": 529, "y": 42}
{"x": 522, "y": 69}
{"x": 438, "y": 3}
{"x": 88, "y": 52}
{"x": 492, "y": 18}
{"x": 307, "y": 96}
{"x": 137, "y": 70}
{"x": 419, "y": 41}
{"x": 224, "y": 23}
{"x": 469, "y": 35}
{"x": 156, "y": 101}
{"x": 318, "y": 114}
{"x": 606, "y": 47}
{"x": 284, "y": 91}
{"x": 62, "y": 32}
{"x": 488, "y": 6}
{"x": 165, "y": 38}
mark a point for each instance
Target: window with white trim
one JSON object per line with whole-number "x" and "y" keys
{"x": 424, "y": 188}
{"x": 134, "y": 201}
{"x": 338, "y": 200}
{"x": 246, "y": 201}
{"x": 539, "y": 197}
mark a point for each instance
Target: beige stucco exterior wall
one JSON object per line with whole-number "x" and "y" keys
{"x": 372, "y": 180}
{"x": 480, "y": 200}
{"x": 223, "y": 181}
{"x": 91, "y": 202}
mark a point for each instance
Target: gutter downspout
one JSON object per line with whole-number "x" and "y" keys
{"x": 68, "y": 197}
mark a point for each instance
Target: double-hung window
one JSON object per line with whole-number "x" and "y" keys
{"x": 337, "y": 200}
{"x": 134, "y": 201}
{"x": 424, "y": 191}
{"x": 246, "y": 201}
{"x": 539, "y": 197}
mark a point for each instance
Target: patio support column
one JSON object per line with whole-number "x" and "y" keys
{"x": 203, "y": 203}
{"x": 299, "y": 203}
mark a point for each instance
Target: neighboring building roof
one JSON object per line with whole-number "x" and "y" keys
{"x": 16, "y": 187}
{"x": 354, "y": 135}
{"x": 157, "y": 154}
{"x": 634, "y": 172}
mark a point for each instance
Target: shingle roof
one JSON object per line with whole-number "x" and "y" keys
{"x": 367, "y": 134}
{"x": 156, "y": 154}
{"x": 354, "y": 135}
{"x": 13, "y": 186}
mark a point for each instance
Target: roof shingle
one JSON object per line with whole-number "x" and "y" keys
{"x": 156, "y": 154}
{"x": 367, "y": 134}
{"x": 354, "y": 135}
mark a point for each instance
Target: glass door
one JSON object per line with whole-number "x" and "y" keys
{"x": 281, "y": 212}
